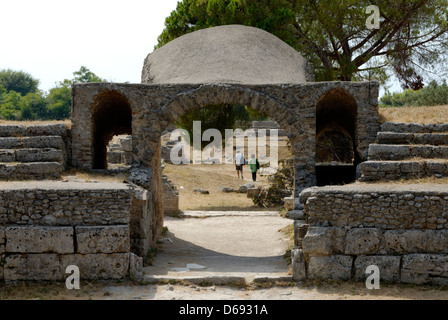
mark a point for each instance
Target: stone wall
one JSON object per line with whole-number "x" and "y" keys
{"x": 47, "y": 226}
{"x": 403, "y": 229}
{"x": 156, "y": 107}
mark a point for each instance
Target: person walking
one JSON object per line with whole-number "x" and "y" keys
{"x": 239, "y": 162}
{"x": 254, "y": 166}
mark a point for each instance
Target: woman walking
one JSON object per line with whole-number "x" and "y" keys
{"x": 254, "y": 166}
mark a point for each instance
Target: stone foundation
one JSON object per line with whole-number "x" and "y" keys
{"x": 47, "y": 226}
{"x": 403, "y": 229}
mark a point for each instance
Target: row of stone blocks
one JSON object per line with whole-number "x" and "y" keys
{"x": 44, "y": 253}
{"x": 31, "y": 155}
{"x": 403, "y": 152}
{"x": 33, "y": 130}
{"x": 396, "y": 170}
{"x": 401, "y": 229}
{"x": 47, "y": 226}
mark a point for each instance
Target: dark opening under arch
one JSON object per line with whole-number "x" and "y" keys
{"x": 111, "y": 115}
{"x": 336, "y": 150}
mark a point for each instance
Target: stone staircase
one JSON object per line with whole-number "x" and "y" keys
{"x": 406, "y": 151}
{"x": 33, "y": 152}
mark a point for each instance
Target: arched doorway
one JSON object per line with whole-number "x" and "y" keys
{"x": 336, "y": 150}
{"x": 111, "y": 116}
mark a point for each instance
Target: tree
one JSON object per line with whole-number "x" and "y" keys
{"x": 332, "y": 34}
{"x": 59, "y": 102}
{"x": 11, "y": 105}
{"x": 84, "y": 75}
{"x": 18, "y": 81}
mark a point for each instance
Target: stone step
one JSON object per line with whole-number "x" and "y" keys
{"x": 435, "y": 139}
{"x": 30, "y": 171}
{"x": 414, "y": 128}
{"x": 55, "y": 142}
{"x": 396, "y": 170}
{"x": 31, "y": 155}
{"x": 57, "y": 129}
{"x": 403, "y": 152}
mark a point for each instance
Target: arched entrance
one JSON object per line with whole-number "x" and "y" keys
{"x": 111, "y": 115}
{"x": 336, "y": 149}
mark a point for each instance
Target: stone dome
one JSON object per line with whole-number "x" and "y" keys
{"x": 226, "y": 54}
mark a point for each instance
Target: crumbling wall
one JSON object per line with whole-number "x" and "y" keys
{"x": 401, "y": 229}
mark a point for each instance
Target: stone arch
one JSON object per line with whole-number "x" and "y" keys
{"x": 336, "y": 137}
{"x": 111, "y": 115}
{"x": 228, "y": 94}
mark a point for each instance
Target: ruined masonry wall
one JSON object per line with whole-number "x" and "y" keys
{"x": 47, "y": 226}
{"x": 401, "y": 229}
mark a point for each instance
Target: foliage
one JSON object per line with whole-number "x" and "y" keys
{"x": 18, "y": 81}
{"x": 333, "y": 35}
{"x": 35, "y": 104}
{"x": 282, "y": 186}
{"x": 432, "y": 95}
{"x": 220, "y": 117}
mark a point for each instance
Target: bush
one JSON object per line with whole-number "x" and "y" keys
{"x": 282, "y": 186}
{"x": 432, "y": 95}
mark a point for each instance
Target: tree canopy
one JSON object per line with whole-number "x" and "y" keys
{"x": 332, "y": 34}
{"x": 20, "y": 99}
{"x": 18, "y": 81}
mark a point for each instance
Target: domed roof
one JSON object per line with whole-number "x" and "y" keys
{"x": 226, "y": 54}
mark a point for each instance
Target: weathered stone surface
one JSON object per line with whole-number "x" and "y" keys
{"x": 38, "y": 155}
{"x": 12, "y": 131}
{"x": 252, "y": 192}
{"x": 7, "y": 156}
{"x": 389, "y": 267}
{"x": 57, "y": 129}
{"x": 39, "y": 239}
{"x": 416, "y": 241}
{"x": 114, "y": 157}
{"x": 99, "y": 266}
{"x": 298, "y": 265}
{"x": 289, "y": 203}
{"x": 336, "y": 267}
{"x": 425, "y": 269}
{"x": 363, "y": 241}
{"x": 33, "y": 267}
{"x": 108, "y": 239}
{"x": 136, "y": 267}
{"x": 227, "y": 189}
{"x": 324, "y": 241}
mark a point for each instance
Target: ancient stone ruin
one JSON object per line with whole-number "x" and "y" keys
{"x": 108, "y": 228}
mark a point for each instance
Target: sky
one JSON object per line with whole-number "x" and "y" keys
{"x": 51, "y": 39}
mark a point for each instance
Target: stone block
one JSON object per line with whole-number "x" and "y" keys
{"x": 41, "y": 168}
{"x": 57, "y": 129}
{"x": 32, "y": 267}
{"x": 416, "y": 241}
{"x": 12, "y": 131}
{"x": 98, "y": 266}
{"x": 114, "y": 157}
{"x": 38, "y": 155}
{"x": 7, "y": 155}
{"x": 55, "y": 142}
{"x": 252, "y": 192}
{"x": 10, "y": 143}
{"x": 298, "y": 265}
{"x": 425, "y": 269}
{"x": 99, "y": 239}
{"x": 39, "y": 239}
{"x": 335, "y": 267}
{"x": 136, "y": 267}
{"x": 361, "y": 241}
{"x": 127, "y": 158}
{"x": 126, "y": 144}
{"x": 389, "y": 267}
{"x": 289, "y": 203}
{"x": 324, "y": 241}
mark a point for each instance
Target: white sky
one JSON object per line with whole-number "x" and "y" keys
{"x": 50, "y": 39}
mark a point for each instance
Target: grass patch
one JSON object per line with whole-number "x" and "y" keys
{"x": 423, "y": 115}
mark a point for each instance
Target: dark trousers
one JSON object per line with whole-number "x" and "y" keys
{"x": 254, "y": 176}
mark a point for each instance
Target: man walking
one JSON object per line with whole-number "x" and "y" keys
{"x": 239, "y": 162}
